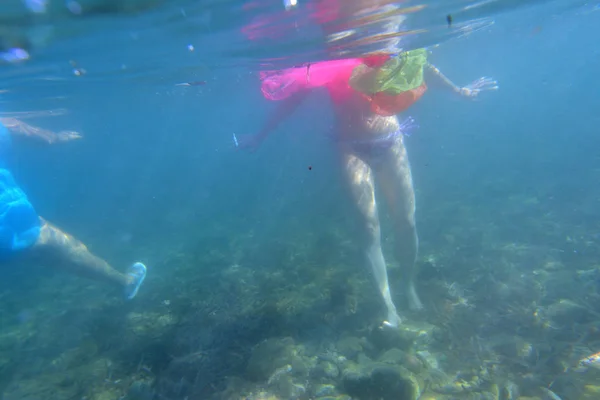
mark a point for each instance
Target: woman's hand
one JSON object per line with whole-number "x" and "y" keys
{"x": 66, "y": 136}
{"x": 473, "y": 89}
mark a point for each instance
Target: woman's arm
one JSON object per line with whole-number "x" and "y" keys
{"x": 284, "y": 109}
{"x": 18, "y": 127}
{"x": 437, "y": 74}
{"x": 471, "y": 90}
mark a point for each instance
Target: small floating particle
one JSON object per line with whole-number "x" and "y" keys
{"x": 79, "y": 72}
{"x": 190, "y": 47}
{"x": 449, "y": 20}
{"x": 536, "y": 30}
{"x": 76, "y": 70}
{"x": 289, "y": 4}
{"x": 196, "y": 83}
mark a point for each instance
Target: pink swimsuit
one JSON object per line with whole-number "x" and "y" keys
{"x": 334, "y": 75}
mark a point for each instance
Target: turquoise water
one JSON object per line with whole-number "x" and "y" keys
{"x": 252, "y": 259}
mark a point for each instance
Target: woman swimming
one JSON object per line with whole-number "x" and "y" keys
{"x": 367, "y": 93}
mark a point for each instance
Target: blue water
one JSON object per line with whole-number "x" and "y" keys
{"x": 157, "y": 177}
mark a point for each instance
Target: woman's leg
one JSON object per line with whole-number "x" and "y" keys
{"x": 395, "y": 180}
{"x": 360, "y": 178}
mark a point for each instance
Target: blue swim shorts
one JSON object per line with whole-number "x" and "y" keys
{"x": 19, "y": 223}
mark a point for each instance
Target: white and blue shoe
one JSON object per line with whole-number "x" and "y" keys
{"x": 138, "y": 272}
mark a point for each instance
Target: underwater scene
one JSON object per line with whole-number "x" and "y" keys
{"x": 299, "y": 199}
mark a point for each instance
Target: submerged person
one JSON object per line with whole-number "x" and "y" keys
{"x": 367, "y": 94}
{"x": 24, "y": 233}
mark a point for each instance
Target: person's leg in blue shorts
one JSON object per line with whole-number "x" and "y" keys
{"x": 22, "y": 231}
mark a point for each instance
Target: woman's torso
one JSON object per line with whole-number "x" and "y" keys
{"x": 354, "y": 119}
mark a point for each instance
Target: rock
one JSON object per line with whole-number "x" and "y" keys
{"x": 462, "y": 384}
{"x": 509, "y": 391}
{"x": 380, "y": 381}
{"x": 407, "y": 336}
{"x": 48, "y": 386}
{"x": 105, "y": 394}
{"x": 494, "y": 390}
{"x": 270, "y": 356}
{"x": 300, "y": 365}
{"x": 141, "y": 390}
{"x": 393, "y": 356}
{"x": 363, "y": 359}
{"x": 434, "y": 396}
{"x": 150, "y": 325}
{"x": 325, "y": 370}
{"x": 428, "y": 359}
{"x": 384, "y": 339}
{"x": 261, "y": 395}
{"x": 483, "y": 396}
{"x": 414, "y": 364}
{"x": 324, "y": 390}
{"x": 235, "y": 386}
{"x": 350, "y": 347}
{"x": 287, "y": 389}
{"x": 14, "y": 337}
{"x": 421, "y": 333}
{"x": 591, "y": 392}
{"x": 566, "y": 312}
{"x": 513, "y": 347}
